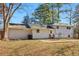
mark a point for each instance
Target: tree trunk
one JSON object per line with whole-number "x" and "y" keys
{"x": 70, "y": 18}
{"x": 6, "y": 32}
{"x": 53, "y": 20}
{"x": 58, "y": 15}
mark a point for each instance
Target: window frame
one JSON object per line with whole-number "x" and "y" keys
{"x": 37, "y": 30}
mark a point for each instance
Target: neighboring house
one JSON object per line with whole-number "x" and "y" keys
{"x": 1, "y": 24}
{"x": 38, "y": 32}
{"x": 1, "y": 27}
{"x": 76, "y": 31}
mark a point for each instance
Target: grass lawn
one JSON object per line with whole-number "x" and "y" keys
{"x": 40, "y": 47}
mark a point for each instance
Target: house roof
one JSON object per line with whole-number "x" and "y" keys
{"x": 62, "y": 24}
{"x": 35, "y": 26}
{"x": 17, "y": 26}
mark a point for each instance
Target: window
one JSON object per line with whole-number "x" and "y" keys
{"x": 69, "y": 36}
{"x": 51, "y": 31}
{"x": 57, "y": 27}
{"x": 68, "y": 27}
{"x": 38, "y": 30}
{"x": 49, "y": 26}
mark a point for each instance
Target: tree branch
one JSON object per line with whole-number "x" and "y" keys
{"x": 9, "y": 9}
{"x": 11, "y": 14}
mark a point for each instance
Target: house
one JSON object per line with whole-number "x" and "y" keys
{"x": 40, "y": 32}
{"x": 19, "y": 32}
{"x": 63, "y": 30}
{"x": 76, "y": 31}
{"x": 35, "y": 32}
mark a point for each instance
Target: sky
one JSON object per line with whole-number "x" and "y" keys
{"x": 29, "y": 9}
{"x": 63, "y": 15}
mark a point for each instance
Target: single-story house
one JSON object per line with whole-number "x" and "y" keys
{"x": 38, "y": 32}
{"x": 21, "y": 32}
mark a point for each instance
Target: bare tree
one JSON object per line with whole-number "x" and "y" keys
{"x": 7, "y": 11}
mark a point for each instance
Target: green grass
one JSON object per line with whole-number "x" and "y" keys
{"x": 39, "y": 48}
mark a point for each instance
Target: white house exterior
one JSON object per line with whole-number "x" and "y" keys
{"x": 63, "y": 31}
{"x": 38, "y": 32}
{"x": 42, "y": 33}
{"x": 18, "y": 32}
{"x": 21, "y": 32}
